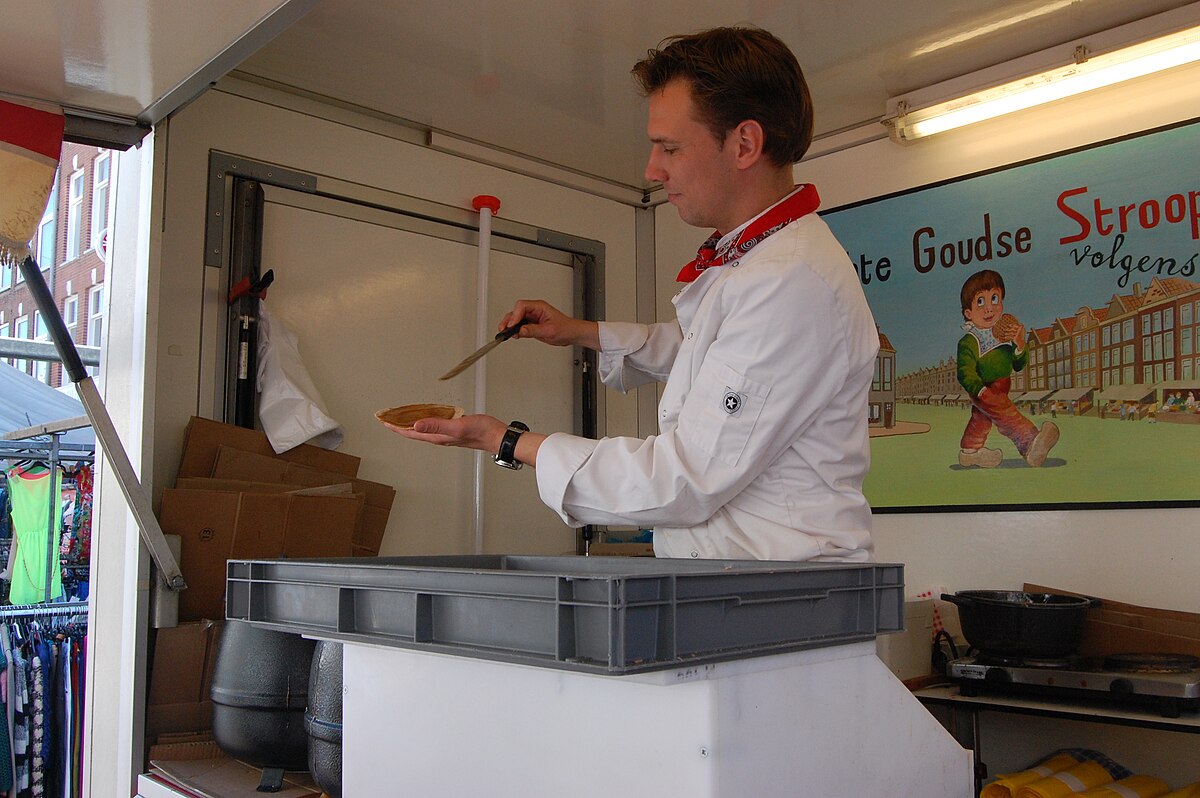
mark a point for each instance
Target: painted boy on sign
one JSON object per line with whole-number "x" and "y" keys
{"x": 988, "y": 354}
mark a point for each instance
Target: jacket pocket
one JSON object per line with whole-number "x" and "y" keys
{"x": 721, "y": 411}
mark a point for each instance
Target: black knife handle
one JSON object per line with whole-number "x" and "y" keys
{"x": 509, "y": 332}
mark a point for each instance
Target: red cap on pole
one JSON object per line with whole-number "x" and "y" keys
{"x": 486, "y": 201}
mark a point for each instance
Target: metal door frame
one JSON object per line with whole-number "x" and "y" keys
{"x": 228, "y": 226}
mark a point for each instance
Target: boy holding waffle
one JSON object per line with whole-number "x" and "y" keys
{"x": 988, "y": 354}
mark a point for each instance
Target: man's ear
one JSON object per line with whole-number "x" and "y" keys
{"x": 747, "y": 139}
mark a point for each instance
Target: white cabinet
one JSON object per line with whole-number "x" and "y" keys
{"x": 830, "y": 722}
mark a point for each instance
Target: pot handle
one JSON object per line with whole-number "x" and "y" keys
{"x": 956, "y": 599}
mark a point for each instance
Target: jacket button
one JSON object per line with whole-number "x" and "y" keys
{"x": 695, "y": 554}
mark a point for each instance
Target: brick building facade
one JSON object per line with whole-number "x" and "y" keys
{"x": 70, "y": 247}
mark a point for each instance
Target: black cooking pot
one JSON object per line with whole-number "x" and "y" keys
{"x": 1006, "y": 623}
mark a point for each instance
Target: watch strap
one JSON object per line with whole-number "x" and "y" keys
{"x": 507, "y": 454}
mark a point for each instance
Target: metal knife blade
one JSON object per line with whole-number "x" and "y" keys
{"x": 500, "y": 338}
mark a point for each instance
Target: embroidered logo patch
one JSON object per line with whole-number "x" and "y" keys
{"x": 732, "y": 402}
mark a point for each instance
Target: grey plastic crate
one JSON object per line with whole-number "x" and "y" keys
{"x": 610, "y": 615}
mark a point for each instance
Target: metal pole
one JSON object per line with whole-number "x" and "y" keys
{"x": 487, "y": 206}
{"x": 106, "y": 432}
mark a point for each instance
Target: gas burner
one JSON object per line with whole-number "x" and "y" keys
{"x": 1151, "y": 663}
{"x": 1087, "y": 679}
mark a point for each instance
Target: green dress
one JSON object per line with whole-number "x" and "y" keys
{"x": 30, "y": 492}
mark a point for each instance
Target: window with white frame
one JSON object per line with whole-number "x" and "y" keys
{"x": 95, "y": 329}
{"x": 21, "y": 330}
{"x": 43, "y": 246}
{"x": 75, "y": 216}
{"x": 101, "y": 174}
{"x": 41, "y": 368}
{"x": 71, "y": 313}
{"x": 6, "y": 276}
{"x": 4, "y": 334}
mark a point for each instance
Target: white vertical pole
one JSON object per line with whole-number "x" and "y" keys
{"x": 486, "y": 206}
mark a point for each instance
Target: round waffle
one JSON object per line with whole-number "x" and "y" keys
{"x": 406, "y": 416}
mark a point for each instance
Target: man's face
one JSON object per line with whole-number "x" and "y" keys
{"x": 693, "y": 167}
{"x": 986, "y": 308}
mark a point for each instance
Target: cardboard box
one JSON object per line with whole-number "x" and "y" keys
{"x": 240, "y": 486}
{"x": 218, "y": 525}
{"x": 237, "y": 464}
{"x": 184, "y": 751}
{"x": 181, "y": 678}
{"x": 909, "y": 653}
{"x": 203, "y": 436}
{"x": 228, "y": 778}
{"x": 1118, "y": 628}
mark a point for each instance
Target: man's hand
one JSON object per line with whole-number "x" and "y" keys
{"x": 469, "y": 432}
{"x": 546, "y": 323}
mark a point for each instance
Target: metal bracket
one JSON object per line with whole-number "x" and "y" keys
{"x": 222, "y": 165}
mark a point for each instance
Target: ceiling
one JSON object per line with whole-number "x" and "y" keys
{"x": 548, "y": 79}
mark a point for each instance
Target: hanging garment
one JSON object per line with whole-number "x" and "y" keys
{"x": 9, "y": 691}
{"x": 32, "y": 519}
{"x": 83, "y": 511}
{"x": 21, "y": 708}
{"x": 5, "y": 521}
{"x": 6, "y": 774}
{"x": 64, "y": 717}
{"x": 79, "y": 658}
{"x": 37, "y": 729}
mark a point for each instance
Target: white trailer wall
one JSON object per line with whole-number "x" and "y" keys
{"x": 163, "y": 308}
{"x": 1147, "y": 557}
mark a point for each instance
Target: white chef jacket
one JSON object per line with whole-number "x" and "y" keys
{"x": 763, "y": 443}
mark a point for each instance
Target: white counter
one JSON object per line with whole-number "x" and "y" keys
{"x": 828, "y": 722}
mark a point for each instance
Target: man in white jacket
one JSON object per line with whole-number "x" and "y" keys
{"x": 763, "y": 444}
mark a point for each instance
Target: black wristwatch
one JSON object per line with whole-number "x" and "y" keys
{"x": 507, "y": 456}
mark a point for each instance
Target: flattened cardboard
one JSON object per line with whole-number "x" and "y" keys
{"x": 1118, "y": 628}
{"x": 177, "y": 674}
{"x": 215, "y": 526}
{"x": 203, "y": 436}
{"x": 228, "y": 778}
{"x": 235, "y": 464}
{"x": 184, "y": 751}
{"x": 240, "y": 486}
{"x": 166, "y": 718}
{"x": 181, "y": 678}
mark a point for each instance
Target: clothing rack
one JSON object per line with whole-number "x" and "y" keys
{"x": 44, "y": 610}
{"x": 21, "y": 445}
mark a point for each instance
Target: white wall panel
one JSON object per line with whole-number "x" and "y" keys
{"x": 379, "y": 330}
{"x": 306, "y": 142}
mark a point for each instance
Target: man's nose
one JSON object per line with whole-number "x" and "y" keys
{"x": 654, "y": 173}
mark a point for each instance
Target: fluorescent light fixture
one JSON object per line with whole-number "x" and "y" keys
{"x": 1086, "y": 71}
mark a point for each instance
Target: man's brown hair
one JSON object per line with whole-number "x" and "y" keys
{"x": 984, "y": 280}
{"x": 738, "y": 74}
